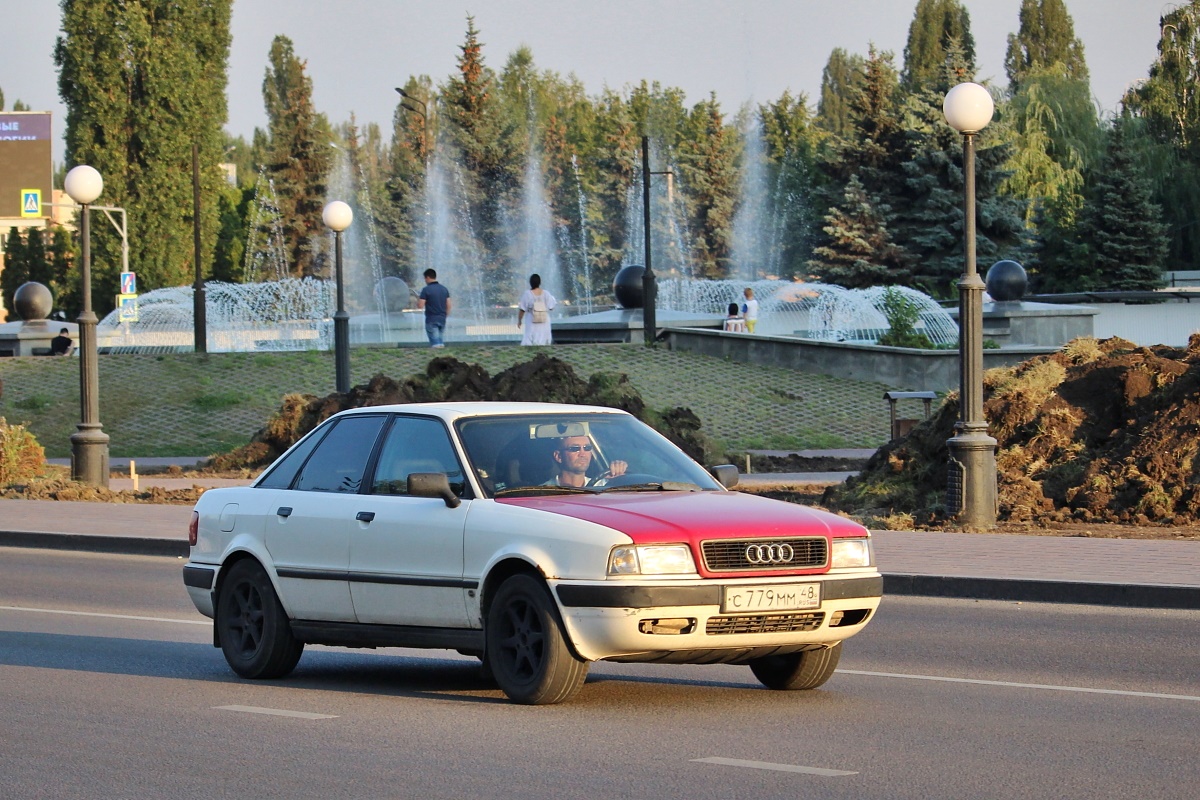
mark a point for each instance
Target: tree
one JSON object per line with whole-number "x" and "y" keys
{"x": 859, "y": 252}
{"x": 143, "y": 81}
{"x": 1169, "y": 100}
{"x": 1044, "y": 42}
{"x": 1168, "y": 106}
{"x": 708, "y": 157}
{"x": 792, "y": 142}
{"x": 841, "y": 79}
{"x": 16, "y": 267}
{"x": 299, "y": 157}
{"x": 1057, "y": 139}
{"x": 478, "y": 131}
{"x": 1121, "y": 224}
{"x": 937, "y": 27}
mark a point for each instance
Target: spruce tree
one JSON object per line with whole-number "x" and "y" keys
{"x": 299, "y": 157}
{"x": 1122, "y": 224}
{"x": 143, "y": 81}
{"x": 859, "y": 252}
{"x": 479, "y": 132}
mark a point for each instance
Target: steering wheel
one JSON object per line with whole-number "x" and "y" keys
{"x": 628, "y": 479}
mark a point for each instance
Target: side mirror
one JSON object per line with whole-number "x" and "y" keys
{"x": 726, "y": 475}
{"x": 432, "y": 484}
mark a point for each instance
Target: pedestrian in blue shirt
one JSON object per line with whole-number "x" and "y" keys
{"x": 435, "y": 299}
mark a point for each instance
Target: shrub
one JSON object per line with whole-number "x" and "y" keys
{"x": 21, "y": 457}
{"x": 902, "y": 315}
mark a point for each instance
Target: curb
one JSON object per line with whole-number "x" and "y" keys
{"x": 1041, "y": 591}
{"x": 1009, "y": 589}
{"x": 95, "y": 543}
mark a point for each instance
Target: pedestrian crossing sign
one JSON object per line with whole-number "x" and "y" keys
{"x": 127, "y": 308}
{"x": 31, "y": 202}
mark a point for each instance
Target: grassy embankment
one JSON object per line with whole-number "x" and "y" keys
{"x": 190, "y": 404}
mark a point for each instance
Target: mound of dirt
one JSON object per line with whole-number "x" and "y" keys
{"x": 1099, "y": 432}
{"x": 543, "y": 378}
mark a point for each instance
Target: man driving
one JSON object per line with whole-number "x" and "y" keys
{"x": 572, "y": 457}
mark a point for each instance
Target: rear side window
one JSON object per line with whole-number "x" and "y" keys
{"x": 340, "y": 459}
{"x": 284, "y": 472}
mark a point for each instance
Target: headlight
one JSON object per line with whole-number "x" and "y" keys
{"x": 657, "y": 559}
{"x": 849, "y": 553}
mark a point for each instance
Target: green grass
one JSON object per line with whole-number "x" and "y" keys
{"x": 193, "y": 404}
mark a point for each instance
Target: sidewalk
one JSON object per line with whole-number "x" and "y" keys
{"x": 1116, "y": 572}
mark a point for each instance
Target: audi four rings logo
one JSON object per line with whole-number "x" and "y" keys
{"x": 769, "y": 553}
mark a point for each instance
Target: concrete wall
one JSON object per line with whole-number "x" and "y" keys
{"x": 897, "y": 367}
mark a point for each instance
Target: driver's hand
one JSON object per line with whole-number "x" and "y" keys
{"x": 616, "y": 468}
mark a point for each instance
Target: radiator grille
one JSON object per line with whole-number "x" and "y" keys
{"x": 765, "y": 623}
{"x": 738, "y": 555}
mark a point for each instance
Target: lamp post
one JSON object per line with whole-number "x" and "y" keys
{"x": 649, "y": 284}
{"x": 89, "y": 444}
{"x": 337, "y": 216}
{"x": 971, "y": 494}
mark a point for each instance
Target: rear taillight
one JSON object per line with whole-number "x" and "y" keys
{"x": 194, "y": 529}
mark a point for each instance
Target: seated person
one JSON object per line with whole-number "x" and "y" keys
{"x": 733, "y": 322}
{"x": 62, "y": 345}
{"x": 572, "y": 457}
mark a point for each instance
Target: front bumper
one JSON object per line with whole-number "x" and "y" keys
{"x": 683, "y": 623}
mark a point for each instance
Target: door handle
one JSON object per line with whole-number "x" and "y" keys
{"x": 365, "y": 516}
{"x": 284, "y": 511}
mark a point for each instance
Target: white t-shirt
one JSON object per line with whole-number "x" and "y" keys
{"x": 750, "y": 309}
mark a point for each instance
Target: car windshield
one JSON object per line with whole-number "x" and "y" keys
{"x": 564, "y": 454}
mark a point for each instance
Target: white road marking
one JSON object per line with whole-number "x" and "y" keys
{"x": 1011, "y": 685}
{"x": 737, "y": 762}
{"x": 107, "y": 616}
{"x": 275, "y": 712}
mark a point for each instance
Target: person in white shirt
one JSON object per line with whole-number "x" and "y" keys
{"x": 750, "y": 310}
{"x": 537, "y": 303}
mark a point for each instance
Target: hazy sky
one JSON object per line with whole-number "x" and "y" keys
{"x": 358, "y": 50}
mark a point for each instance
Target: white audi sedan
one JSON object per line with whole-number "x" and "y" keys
{"x": 537, "y": 537}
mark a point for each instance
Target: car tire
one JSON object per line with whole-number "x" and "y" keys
{"x": 805, "y": 670}
{"x": 526, "y": 649}
{"x": 252, "y": 626}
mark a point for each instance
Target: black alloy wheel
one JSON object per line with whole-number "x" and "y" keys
{"x": 526, "y": 648}
{"x": 252, "y": 626}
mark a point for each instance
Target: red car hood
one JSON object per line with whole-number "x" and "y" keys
{"x": 661, "y": 517}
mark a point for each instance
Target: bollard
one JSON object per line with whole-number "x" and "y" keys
{"x": 133, "y": 476}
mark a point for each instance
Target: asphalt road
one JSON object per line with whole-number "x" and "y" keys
{"x": 109, "y": 687}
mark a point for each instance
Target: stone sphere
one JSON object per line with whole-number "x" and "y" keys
{"x": 1006, "y": 280}
{"x": 627, "y": 286}
{"x": 394, "y": 293}
{"x": 33, "y": 301}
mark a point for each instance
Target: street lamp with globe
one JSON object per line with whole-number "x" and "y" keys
{"x": 89, "y": 444}
{"x": 971, "y": 496}
{"x": 337, "y": 216}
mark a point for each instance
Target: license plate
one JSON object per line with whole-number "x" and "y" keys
{"x": 774, "y": 597}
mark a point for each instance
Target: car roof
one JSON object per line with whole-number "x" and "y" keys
{"x": 451, "y": 411}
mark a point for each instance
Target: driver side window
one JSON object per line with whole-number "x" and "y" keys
{"x": 415, "y": 444}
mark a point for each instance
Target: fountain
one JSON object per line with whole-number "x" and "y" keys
{"x": 276, "y": 312}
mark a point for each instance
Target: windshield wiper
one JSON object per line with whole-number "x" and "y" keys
{"x": 664, "y": 486}
{"x": 533, "y": 491}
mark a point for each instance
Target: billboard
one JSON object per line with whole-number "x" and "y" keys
{"x": 25, "y": 166}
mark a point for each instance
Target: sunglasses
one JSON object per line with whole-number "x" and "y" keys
{"x": 575, "y": 448}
